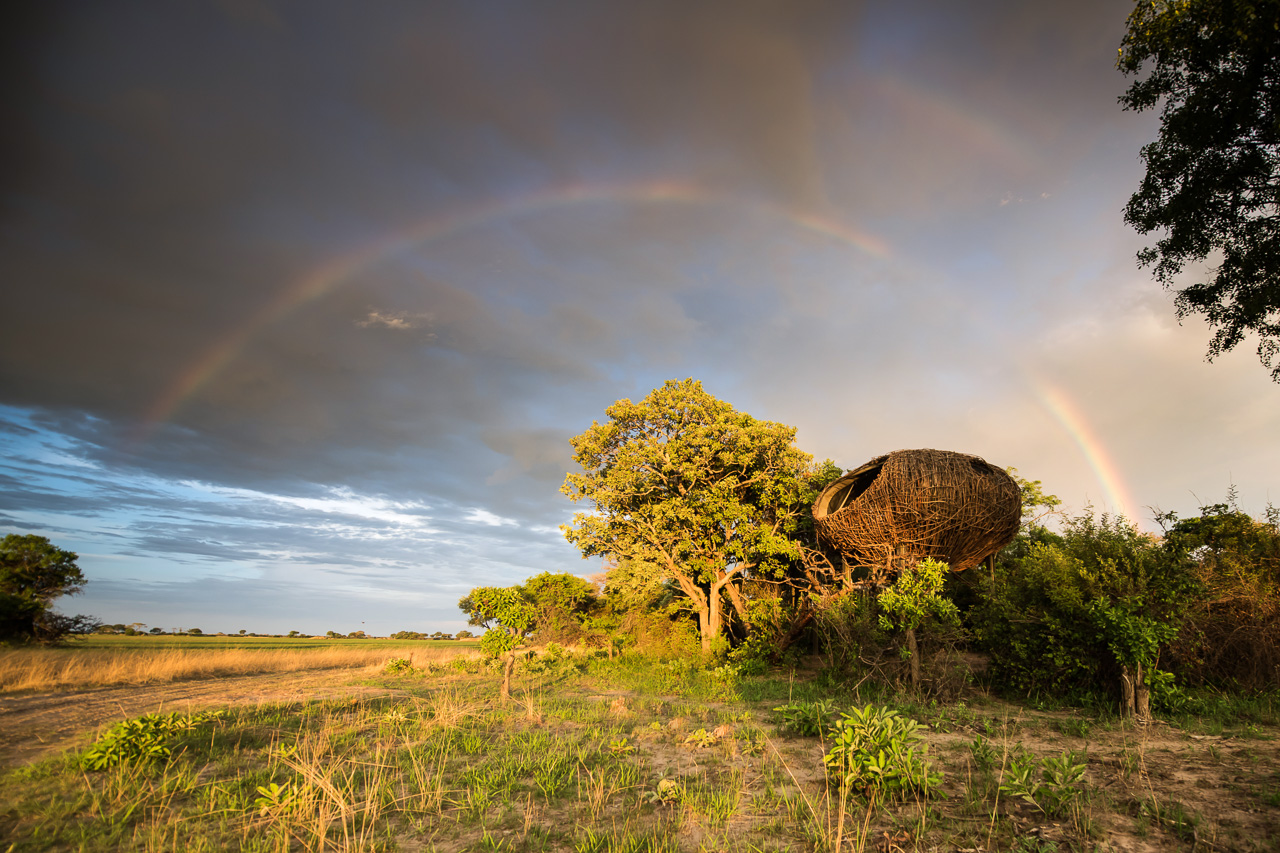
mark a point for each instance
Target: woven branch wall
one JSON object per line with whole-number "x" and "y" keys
{"x": 907, "y": 505}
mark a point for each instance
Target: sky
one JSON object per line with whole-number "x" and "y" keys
{"x": 303, "y": 301}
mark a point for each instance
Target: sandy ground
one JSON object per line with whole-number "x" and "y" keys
{"x": 34, "y": 725}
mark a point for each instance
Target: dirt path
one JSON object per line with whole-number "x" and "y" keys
{"x": 35, "y": 725}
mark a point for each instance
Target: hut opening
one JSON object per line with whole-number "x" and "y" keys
{"x": 908, "y": 505}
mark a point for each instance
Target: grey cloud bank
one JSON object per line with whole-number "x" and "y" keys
{"x": 310, "y": 297}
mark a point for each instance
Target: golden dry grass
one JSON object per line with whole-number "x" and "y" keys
{"x": 54, "y": 669}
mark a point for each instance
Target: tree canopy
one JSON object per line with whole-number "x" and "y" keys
{"x": 33, "y": 572}
{"x": 1213, "y": 175}
{"x": 684, "y": 483}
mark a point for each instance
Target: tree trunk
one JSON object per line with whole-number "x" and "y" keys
{"x": 1135, "y": 695}
{"x": 715, "y": 612}
{"x": 702, "y": 602}
{"x": 739, "y": 605}
{"x": 796, "y": 629}
{"x": 913, "y": 649}
{"x": 1141, "y": 697}
{"x": 508, "y": 668}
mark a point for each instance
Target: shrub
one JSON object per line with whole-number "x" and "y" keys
{"x": 806, "y": 719}
{"x": 768, "y": 620}
{"x": 1094, "y": 606}
{"x": 878, "y": 753}
{"x": 851, "y": 628}
{"x": 143, "y": 740}
{"x": 1232, "y": 635}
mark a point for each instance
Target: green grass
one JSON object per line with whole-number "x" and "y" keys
{"x": 624, "y": 755}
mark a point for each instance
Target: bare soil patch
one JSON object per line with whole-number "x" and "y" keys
{"x": 35, "y": 725}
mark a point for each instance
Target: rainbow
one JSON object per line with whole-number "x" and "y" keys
{"x": 1068, "y": 415}
{"x": 325, "y": 278}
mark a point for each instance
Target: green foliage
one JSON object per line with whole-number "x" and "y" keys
{"x": 879, "y": 754}
{"x": 397, "y": 666}
{"x": 140, "y": 741}
{"x": 766, "y": 620}
{"x": 1036, "y": 505}
{"x": 273, "y": 799}
{"x": 1213, "y": 175}
{"x": 1067, "y": 611}
{"x": 496, "y": 642}
{"x": 506, "y": 609}
{"x": 700, "y": 739}
{"x": 33, "y": 572}
{"x": 807, "y": 719}
{"x": 687, "y": 486}
{"x": 1233, "y": 628}
{"x": 985, "y": 757}
{"x": 916, "y": 596}
{"x": 561, "y": 603}
{"x": 1052, "y": 785}
{"x": 850, "y": 627}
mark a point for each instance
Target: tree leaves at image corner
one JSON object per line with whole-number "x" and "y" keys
{"x": 1212, "y": 184}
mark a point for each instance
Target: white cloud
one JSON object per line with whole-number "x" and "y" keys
{"x": 398, "y": 320}
{"x": 342, "y": 501}
{"x": 483, "y": 516}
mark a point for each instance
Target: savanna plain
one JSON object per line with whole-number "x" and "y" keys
{"x": 251, "y": 744}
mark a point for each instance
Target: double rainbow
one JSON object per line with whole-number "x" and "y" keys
{"x": 338, "y": 270}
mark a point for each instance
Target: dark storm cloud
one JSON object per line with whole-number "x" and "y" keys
{"x": 865, "y": 219}
{"x": 196, "y": 160}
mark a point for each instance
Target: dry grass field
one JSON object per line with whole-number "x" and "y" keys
{"x": 148, "y": 660}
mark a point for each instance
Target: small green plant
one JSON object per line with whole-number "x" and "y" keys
{"x": 1052, "y": 786}
{"x": 984, "y": 754}
{"x": 398, "y": 666}
{"x": 1062, "y": 777}
{"x": 273, "y": 799}
{"x": 700, "y": 739}
{"x": 621, "y": 747}
{"x": 879, "y": 753}
{"x": 806, "y": 719}
{"x": 667, "y": 792}
{"x": 1020, "y": 779}
{"x": 140, "y": 741}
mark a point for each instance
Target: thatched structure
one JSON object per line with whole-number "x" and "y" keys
{"x": 907, "y": 505}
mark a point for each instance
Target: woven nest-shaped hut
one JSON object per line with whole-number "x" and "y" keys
{"x": 909, "y": 505}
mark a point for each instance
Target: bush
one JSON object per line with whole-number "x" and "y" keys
{"x": 851, "y": 628}
{"x": 1232, "y": 634}
{"x": 768, "y": 621}
{"x": 806, "y": 719}
{"x": 144, "y": 740}
{"x": 1070, "y": 613}
{"x": 877, "y": 753}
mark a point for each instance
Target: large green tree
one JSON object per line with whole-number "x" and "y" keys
{"x": 33, "y": 572}
{"x": 684, "y": 483}
{"x": 1213, "y": 175}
